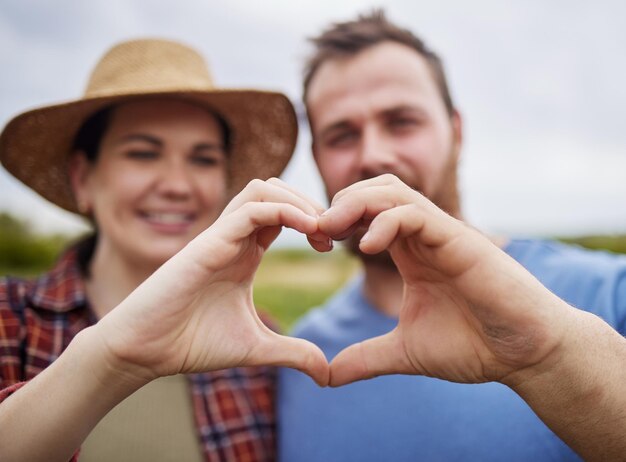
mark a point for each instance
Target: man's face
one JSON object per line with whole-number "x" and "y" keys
{"x": 381, "y": 112}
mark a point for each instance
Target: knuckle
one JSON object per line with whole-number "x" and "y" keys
{"x": 412, "y": 208}
{"x": 255, "y": 184}
{"x": 248, "y": 207}
{"x": 390, "y": 178}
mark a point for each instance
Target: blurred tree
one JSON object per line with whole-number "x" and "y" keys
{"x": 24, "y": 252}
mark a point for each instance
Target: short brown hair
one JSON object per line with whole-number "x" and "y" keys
{"x": 342, "y": 40}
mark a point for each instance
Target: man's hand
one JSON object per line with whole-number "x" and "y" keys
{"x": 469, "y": 314}
{"x": 472, "y": 314}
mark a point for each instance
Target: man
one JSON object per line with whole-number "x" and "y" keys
{"x": 378, "y": 103}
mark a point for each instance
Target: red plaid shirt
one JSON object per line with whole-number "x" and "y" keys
{"x": 234, "y": 408}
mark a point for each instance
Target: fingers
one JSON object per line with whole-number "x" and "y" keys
{"x": 273, "y": 190}
{"x": 359, "y": 203}
{"x": 319, "y": 208}
{"x": 255, "y": 215}
{"x": 268, "y": 235}
{"x": 390, "y": 209}
{"x": 277, "y": 191}
{"x": 373, "y": 357}
{"x": 321, "y": 242}
{"x": 407, "y": 220}
{"x": 354, "y": 209}
{"x": 279, "y": 350}
{"x": 382, "y": 180}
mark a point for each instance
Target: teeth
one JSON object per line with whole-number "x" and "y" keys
{"x": 169, "y": 218}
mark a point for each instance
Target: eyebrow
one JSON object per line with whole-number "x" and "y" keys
{"x": 341, "y": 125}
{"x": 345, "y": 124}
{"x": 210, "y": 146}
{"x": 158, "y": 143}
{"x": 141, "y": 137}
{"x": 403, "y": 109}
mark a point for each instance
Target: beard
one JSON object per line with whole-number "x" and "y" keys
{"x": 445, "y": 196}
{"x": 382, "y": 259}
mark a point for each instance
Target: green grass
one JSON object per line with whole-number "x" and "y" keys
{"x": 612, "y": 243}
{"x": 287, "y": 304}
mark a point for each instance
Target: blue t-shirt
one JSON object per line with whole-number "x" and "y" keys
{"x": 402, "y": 418}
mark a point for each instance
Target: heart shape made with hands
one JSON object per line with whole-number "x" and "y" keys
{"x": 449, "y": 326}
{"x": 345, "y": 221}
{"x": 196, "y": 312}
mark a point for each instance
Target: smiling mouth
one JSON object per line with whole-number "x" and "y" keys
{"x": 168, "y": 218}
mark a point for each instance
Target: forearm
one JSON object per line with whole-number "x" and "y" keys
{"x": 48, "y": 418}
{"x": 580, "y": 393}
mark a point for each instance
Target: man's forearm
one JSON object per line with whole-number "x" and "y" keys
{"x": 580, "y": 392}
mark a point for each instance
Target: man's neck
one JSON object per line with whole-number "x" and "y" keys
{"x": 383, "y": 288}
{"x": 112, "y": 278}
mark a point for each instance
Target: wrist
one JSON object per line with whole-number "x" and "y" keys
{"x": 578, "y": 391}
{"x": 561, "y": 351}
{"x": 107, "y": 370}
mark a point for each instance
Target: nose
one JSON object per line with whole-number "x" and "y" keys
{"x": 175, "y": 181}
{"x": 376, "y": 156}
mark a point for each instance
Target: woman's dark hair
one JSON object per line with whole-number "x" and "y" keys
{"x": 88, "y": 141}
{"x": 90, "y": 134}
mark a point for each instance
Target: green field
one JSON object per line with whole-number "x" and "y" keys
{"x": 291, "y": 281}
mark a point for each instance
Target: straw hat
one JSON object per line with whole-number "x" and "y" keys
{"x": 35, "y": 145}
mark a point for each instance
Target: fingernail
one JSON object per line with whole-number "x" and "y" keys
{"x": 325, "y": 212}
{"x": 365, "y": 237}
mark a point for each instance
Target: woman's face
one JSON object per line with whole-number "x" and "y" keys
{"x": 159, "y": 180}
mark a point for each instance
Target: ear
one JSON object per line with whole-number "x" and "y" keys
{"x": 80, "y": 172}
{"x": 457, "y": 133}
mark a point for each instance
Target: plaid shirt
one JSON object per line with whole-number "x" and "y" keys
{"x": 234, "y": 408}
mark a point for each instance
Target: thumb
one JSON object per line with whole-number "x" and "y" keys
{"x": 373, "y": 357}
{"x": 280, "y": 350}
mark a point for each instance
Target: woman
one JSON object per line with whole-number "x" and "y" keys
{"x": 151, "y": 154}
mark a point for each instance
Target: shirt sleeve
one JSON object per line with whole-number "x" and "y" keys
{"x": 620, "y": 303}
{"x": 5, "y": 393}
{"x": 12, "y": 334}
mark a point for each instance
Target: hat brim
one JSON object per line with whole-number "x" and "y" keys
{"x": 35, "y": 146}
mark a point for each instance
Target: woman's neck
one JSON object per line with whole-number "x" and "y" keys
{"x": 113, "y": 276}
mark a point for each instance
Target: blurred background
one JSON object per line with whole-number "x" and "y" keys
{"x": 540, "y": 86}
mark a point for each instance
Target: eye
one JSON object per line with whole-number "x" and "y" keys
{"x": 142, "y": 154}
{"x": 402, "y": 122}
{"x": 342, "y": 139}
{"x": 202, "y": 160}
{"x": 207, "y": 158}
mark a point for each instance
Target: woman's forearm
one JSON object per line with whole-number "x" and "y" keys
{"x": 48, "y": 418}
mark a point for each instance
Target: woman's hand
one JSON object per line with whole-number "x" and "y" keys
{"x": 196, "y": 312}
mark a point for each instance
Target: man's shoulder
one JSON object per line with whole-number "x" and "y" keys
{"x": 316, "y": 321}
{"x": 592, "y": 280}
{"x": 552, "y": 255}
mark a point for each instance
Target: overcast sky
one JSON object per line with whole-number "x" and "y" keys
{"x": 541, "y": 87}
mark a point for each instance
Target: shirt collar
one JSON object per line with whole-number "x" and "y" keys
{"x": 61, "y": 289}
